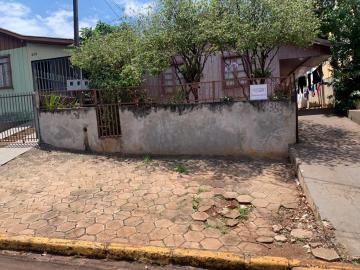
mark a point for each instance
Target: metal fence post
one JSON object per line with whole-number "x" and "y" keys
{"x": 36, "y": 108}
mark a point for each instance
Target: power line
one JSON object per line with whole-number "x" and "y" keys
{"x": 112, "y": 9}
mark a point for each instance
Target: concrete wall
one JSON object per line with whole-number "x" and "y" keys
{"x": 243, "y": 128}
{"x": 261, "y": 128}
{"x": 354, "y": 115}
{"x": 75, "y": 130}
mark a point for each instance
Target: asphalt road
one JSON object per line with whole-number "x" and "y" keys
{"x": 27, "y": 261}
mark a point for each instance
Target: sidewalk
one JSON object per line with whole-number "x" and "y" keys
{"x": 328, "y": 160}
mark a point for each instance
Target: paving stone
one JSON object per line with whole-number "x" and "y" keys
{"x": 163, "y": 223}
{"x": 265, "y": 240}
{"x": 130, "y": 208}
{"x": 178, "y": 229}
{"x": 159, "y": 234}
{"x": 174, "y": 240}
{"x": 125, "y": 232}
{"x": 326, "y": 254}
{"x": 133, "y": 221}
{"x": 65, "y": 227}
{"x": 260, "y": 202}
{"x": 230, "y": 239}
{"x": 204, "y": 208}
{"x": 193, "y": 236}
{"x": 233, "y": 214}
{"x": 292, "y": 205}
{"x": 211, "y": 232}
{"x": 95, "y": 228}
{"x": 244, "y": 199}
{"x": 145, "y": 227}
{"x": 232, "y": 222}
{"x": 230, "y": 195}
{"x": 277, "y": 228}
{"x": 301, "y": 234}
{"x": 280, "y": 238}
{"x": 17, "y": 228}
{"x": 199, "y": 216}
{"x": 211, "y": 243}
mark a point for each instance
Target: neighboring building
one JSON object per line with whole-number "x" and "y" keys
{"x": 222, "y": 72}
{"x": 29, "y": 63}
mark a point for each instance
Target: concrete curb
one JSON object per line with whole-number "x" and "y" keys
{"x": 159, "y": 255}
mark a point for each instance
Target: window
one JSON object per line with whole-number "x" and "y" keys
{"x": 233, "y": 69}
{"x": 170, "y": 79}
{"x": 5, "y": 72}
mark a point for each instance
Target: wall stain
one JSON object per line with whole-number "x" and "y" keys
{"x": 143, "y": 111}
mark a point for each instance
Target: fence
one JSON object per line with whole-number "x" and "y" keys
{"x": 107, "y": 106}
{"x": 17, "y": 119}
{"x": 200, "y": 92}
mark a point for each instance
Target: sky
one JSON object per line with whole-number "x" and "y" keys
{"x": 54, "y": 18}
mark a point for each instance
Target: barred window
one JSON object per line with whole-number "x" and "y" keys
{"x": 5, "y": 72}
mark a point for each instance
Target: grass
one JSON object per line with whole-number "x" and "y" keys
{"x": 200, "y": 190}
{"x": 195, "y": 202}
{"x": 244, "y": 212}
{"x": 181, "y": 168}
{"x": 222, "y": 229}
{"x": 147, "y": 158}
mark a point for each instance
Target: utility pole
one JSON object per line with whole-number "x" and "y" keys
{"x": 76, "y": 29}
{"x": 76, "y": 23}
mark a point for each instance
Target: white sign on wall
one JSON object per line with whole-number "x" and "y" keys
{"x": 258, "y": 92}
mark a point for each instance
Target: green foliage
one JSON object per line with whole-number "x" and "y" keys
{"x": 51, "y": 102}
{"x": 195, "y": 203}
{"x": 147, "y": 158}
{"x": 111, "y": 59}
{"x": 343, "y": 24}
{"x": 99, "y": 30}
{"x": 227, "y": 99}
{"x": 244, "y": 212}
{"x": 179, "y": 33}
{"x": 181, "y": 168}
{"x": 55, "y": 102}
{"x": 256, "y": 29}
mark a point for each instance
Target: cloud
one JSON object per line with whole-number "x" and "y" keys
{"x": 17, "y": 17}
{"x": 133, "y": 8}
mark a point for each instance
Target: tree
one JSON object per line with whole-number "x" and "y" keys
{"x": 100, "y": 29}
{"x": 256, "y": 29}
{"x": 179, "y": 33}
{"x": 343, "y": 23}
{"x": 111, "y": 60}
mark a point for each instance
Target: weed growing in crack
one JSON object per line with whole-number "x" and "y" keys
{"x": 195, "y": 202}
{"x": 181, "y": 168}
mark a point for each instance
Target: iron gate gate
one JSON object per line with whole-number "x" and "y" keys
{"x": 18, "y": 119}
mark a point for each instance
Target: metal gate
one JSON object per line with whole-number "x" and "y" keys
{"x": 18, "y": 119}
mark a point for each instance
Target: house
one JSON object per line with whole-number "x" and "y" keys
{"x": 29, "y": 63}
{"x": 224, "y": 74}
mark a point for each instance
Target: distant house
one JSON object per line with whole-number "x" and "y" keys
{"x": 29, "y": 63}
{"x": 224, "y": 74}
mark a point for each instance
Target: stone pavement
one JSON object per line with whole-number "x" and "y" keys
{"x": 329, "y": 153}
{"x": 223, "y": 205}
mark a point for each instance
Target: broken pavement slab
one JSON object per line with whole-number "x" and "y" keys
{"x": 326, "y": 254}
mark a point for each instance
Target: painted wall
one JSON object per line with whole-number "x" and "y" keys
{"x": 21, "y": 71}
{"x": 20, "y": 59}
{"x": 260, "y": 128}
{"x": 76, "y": 130}
{"x": 43, "y": 51}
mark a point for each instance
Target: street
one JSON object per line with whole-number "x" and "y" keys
{"x": 24, "y": 261}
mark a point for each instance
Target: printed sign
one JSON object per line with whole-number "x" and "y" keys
{"x": 258, "y": 92}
